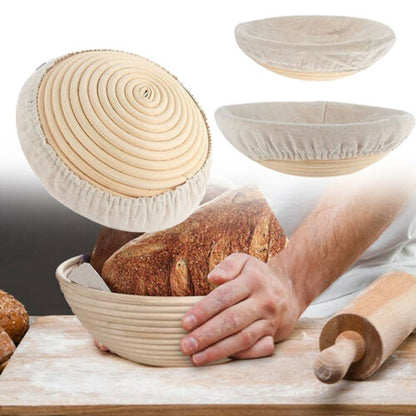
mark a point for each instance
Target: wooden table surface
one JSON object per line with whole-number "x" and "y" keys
{"x": 57, "y": 371}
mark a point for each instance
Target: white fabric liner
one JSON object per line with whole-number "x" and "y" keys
{"x": 321, "y": 44}
{"x": 145, "y": 214}
{"x": 312, "y": 130}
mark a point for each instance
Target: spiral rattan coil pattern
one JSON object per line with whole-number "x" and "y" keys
{"x": 144, "y": 329}
{"x": 122, "y": 123}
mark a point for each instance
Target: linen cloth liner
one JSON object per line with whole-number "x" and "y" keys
{"x": 144, "y": 214}
{"x": 312, "y": 130}
{"x": 322, "y": 44}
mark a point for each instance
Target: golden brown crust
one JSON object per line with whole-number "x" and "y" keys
{"x": 7, "y": 346}
{"x": 14, "y": 318}
{"x": 110, "y": 240}
{"x": 176, "y": 261}
{"x": 180, "y": 280}
{"x": 3, "y": 366}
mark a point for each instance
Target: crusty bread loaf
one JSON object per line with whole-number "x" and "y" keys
{"x": 3, "y": 366}
{"x": 7, "y": 346}
{"x": 14, "y": 318}
{"x": 110, "y": 240}
{"x": 176, "y": 261}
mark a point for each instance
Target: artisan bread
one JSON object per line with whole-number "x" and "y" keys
{"x": 3, "y": 366}
{"x": 14, "y": 318}
{"x": 7, "y": 346}
{"x": 176, "y": 261}
{"x": 110, "y": 240}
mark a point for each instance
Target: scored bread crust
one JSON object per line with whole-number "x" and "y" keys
{"x": 110, "y": 240}
{"x": 176, "y": 261}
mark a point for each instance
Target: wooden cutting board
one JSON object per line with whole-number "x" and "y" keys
{"x": 57, "y": 370}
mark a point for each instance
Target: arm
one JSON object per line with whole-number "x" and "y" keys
{"x": 257, "y": 304}
{"x": 347, "y": 220}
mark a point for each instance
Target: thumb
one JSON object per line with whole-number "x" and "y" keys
{"x": 228, "y": 269}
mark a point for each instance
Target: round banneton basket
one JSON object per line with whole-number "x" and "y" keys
{"x": 316, "y": 48}
{"x": 144, "y": 329}
{"x": 314, "y": 138}
{"x": 116, "y": 138}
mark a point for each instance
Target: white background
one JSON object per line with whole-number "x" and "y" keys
{"x": 195, "y": 41}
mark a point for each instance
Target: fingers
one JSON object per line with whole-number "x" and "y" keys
{"x": 228, "y": 269}
{"x": 283, "y": 333}
{"x": 244, "y": 341}
{"x": 264, "y": 347}
{"x": 100, "y": 346}
{"x": 226, "y": 323}
{"x": 215, "y": 302}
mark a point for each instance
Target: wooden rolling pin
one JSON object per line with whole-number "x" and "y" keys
{"x": 357, "y": 341}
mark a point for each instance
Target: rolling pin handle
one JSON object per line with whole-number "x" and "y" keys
{"x": 333, "y": 363}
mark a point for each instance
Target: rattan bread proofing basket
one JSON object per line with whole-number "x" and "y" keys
{"x": 315, "y": 48}
{"x": 116, "y": 138}
{"x": 144, "y": 329}
{"x": 314, "y": 138}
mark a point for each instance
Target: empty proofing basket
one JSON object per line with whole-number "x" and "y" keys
{"x": 314, "y": 138}
{"x": 116, "y": 138}
{"x": 314, "y": 47}
{"x": 144, "y": 329}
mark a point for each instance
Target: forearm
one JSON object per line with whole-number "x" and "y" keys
{"x": 256, "y": 304}
{"x": 338, "y": 231}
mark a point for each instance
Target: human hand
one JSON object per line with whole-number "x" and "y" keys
{"x": 253, "y": 307}
{"x": 100, "y": 346}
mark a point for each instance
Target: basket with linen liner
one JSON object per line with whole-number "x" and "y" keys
{"x": 314, "y": 47}
{"x": 314, "y": 138}
{"x": 154, "y": 279}
{"x": 116, "y": 138}
{"x": 144, "y": 329}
